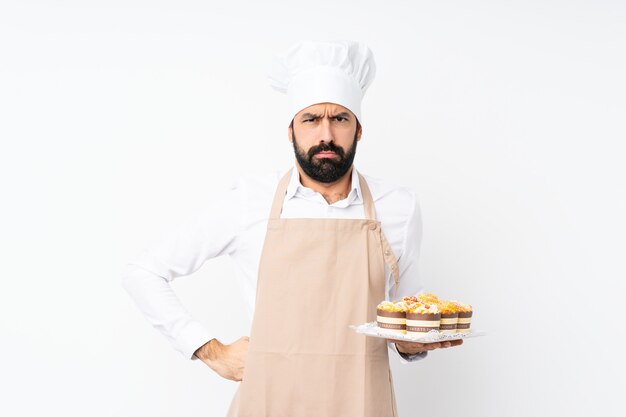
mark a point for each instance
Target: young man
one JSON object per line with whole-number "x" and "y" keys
{"x": 318, "y": 247}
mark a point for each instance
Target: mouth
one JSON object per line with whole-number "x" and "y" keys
{"x": 325, "y": 154}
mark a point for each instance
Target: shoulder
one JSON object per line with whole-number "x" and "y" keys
{"x": 390, "y": 193}
{"x": 397, "y": 208}
{"x": 257, "y": 188}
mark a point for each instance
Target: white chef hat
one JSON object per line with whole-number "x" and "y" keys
{"x": 318, "y": 72}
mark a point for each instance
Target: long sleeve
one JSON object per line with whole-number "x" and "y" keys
{"x": 408, "y": 261}
{"x": 147, "y": 279}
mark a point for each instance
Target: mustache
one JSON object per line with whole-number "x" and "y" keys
{"x": 325, "y": 147}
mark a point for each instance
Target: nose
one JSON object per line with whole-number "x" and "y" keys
{"x": 326, "y": 134}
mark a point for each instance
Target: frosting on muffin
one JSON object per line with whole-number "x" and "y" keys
{"x": 425, "y": 303}
{"x": 391, "y": 306}
{"x": 410, "y": 299}
{"x": 428, "y": 298}
{"x": 402, "y": 306}
{"x": 424, "y": 308}
{"x": 447, "y": 307}
{"x": 461, "y": 307}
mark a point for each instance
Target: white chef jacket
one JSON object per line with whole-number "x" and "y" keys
{"x": 235, "y": 224}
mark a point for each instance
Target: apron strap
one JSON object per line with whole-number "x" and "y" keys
{"x": 279, "y": 196}
{"x": 368, "y": 201}
{"x": 370, "y": 213}
{"x": 392, "y": 263}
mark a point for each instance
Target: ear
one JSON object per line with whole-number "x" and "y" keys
{"x": 359, "y": 133}
{"x": 289, "y": 134}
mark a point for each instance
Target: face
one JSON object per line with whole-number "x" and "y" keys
{"x": 324, "y": 138}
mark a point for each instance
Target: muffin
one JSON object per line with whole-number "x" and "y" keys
{"x": 428, "y": 298}
{"x": 465, "y": 316}
{"x": 391, "y": 316}
{"x": 421, "y": 318}
{"x": 449, "y": 316}
{"x": 410, "y": 299}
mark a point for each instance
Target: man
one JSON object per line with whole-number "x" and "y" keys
{"x": 317, "y": 247}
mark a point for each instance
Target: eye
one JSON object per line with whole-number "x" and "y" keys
{"x": 308, "y": 120}
{"x": 341, "y": 119}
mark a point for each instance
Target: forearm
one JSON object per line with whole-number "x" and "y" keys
{"x": 161, "y": 307}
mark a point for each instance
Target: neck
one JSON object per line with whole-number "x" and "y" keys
{"x": 331, "y": 191}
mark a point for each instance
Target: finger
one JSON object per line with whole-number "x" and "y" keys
{"x": 406, "y": 343}
{"x": 412, "y": 345}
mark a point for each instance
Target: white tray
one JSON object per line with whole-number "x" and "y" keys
{"x": 372, "y": 329}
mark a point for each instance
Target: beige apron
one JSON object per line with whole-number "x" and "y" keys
{"x": 316, "y": 277}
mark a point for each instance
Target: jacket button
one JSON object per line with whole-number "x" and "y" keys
{"x": 373, "y": 226}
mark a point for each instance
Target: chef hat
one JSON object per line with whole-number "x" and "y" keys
{"x": 318, "y": 72}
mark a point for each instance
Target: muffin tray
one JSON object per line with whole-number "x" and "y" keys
{"x": 372, "y": 329}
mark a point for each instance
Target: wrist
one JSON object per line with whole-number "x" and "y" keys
{"x": 410, "y": 357}
{"x": 209, "y": 351}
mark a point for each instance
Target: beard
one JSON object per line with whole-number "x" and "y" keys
{"x": 325, "y": 169}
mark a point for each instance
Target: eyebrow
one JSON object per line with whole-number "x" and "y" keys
{"x": 317, "y": 116}
{"x": 342, "y": 114}
{"x": 310, "y": 116}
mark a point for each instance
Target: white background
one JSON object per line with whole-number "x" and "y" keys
{"x": 119, "y": 119}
